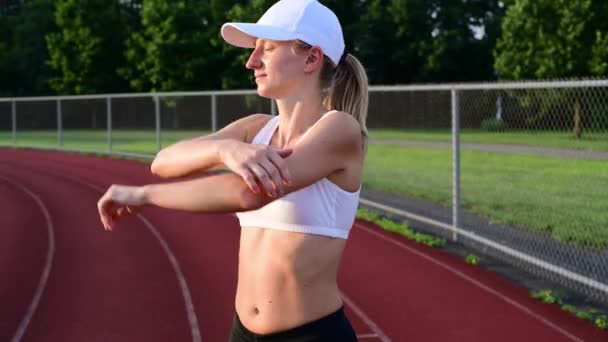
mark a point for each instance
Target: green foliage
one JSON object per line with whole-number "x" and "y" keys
{"x": 455, "y": 46}
{"x": 176, "y": 48}
{"x": 472, "y": 259}
{"x": 601, "y": 322}
{"x": 551, "y": 39}
{"x": 400, "y": 228}
{"x": 23, "y": 52}
{"x": 589, "y": 314}
{"x": 87, "y": 50}
{"x": 546, "y": 296}
{"x": 599, "y": 55}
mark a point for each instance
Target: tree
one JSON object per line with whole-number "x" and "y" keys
{"x": 388, "y": 39}
{"x": 554, "y": 39}
{"x": 176, "y": 48}
{"x": 463, "y": 34}
{"x": 88, "y": 49}
{"x": 551, "y": 39}
{"x": 33, "y": 23}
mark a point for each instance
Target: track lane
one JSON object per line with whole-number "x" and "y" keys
{"x": 401, "y": 293}
{"x": 26, "y": 256}
{"x": 118, "y": 287}
{"x": 186, "y": 232}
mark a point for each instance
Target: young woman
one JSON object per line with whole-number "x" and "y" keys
{"x": 295, "y": 178}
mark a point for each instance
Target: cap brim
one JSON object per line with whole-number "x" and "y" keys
{"x": 245, "y": 34}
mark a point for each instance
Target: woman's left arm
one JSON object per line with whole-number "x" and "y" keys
{"x": 328, "y": 147}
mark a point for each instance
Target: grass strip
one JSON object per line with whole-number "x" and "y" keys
{"x": 400, "y": 228}
{"x": 593, "y": 315}
{"x": 594, "y": 141}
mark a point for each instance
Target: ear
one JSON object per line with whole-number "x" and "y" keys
{"x": 314, "y": 60}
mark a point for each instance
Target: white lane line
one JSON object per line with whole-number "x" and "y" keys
{"x": 475, "y": 282}
{"x": 185, "y": 290}
{"x": 373, "y": 326}
{"x": 363, "y": 336}
{"x": 50, "y": 253}
{"x": 378, "y": 333}
{"x": 190, "y": 311}
{"x": 194, "y": 328}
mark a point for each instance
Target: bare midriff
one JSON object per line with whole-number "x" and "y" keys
{"x": 286, "y": 279}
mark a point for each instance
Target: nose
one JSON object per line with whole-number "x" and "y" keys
{"x": 254, "y": 61}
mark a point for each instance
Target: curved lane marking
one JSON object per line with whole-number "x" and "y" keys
{"x": 190, "y": 311}
{"x": 50, "y": 253}
{"x": 185, "y": 290}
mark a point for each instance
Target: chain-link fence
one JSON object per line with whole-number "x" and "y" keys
{"x": 517, "y": 169}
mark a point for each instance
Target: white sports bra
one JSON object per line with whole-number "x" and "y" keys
{"x": 322, "y": 208}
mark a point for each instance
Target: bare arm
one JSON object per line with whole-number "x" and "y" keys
{"x": 329, "y": 147}
{"x": 203, "y": 154}
{"x": 327, "y": 150}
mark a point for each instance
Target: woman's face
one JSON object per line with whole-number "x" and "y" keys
{"x": 277, "y": 69}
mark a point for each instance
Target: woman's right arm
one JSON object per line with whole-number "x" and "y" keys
{"x": 203, "y": 154}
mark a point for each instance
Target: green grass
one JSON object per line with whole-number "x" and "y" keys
{"x": 563, "y": 196}
{"x": 140, "y": 141}
{"x": 596, "y": 141}
{"x": 589, "y": 141}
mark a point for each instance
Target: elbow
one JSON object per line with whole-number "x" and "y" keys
{"x": 158, "y": 166}
{"x": 248, "y": 200}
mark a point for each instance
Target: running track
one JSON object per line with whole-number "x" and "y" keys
{"x": 171, "y": 276}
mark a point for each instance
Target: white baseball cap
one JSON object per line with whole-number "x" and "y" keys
{"x": 305, "y": 20}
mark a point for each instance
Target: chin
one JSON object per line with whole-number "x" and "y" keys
{"x": 265, "y": 92}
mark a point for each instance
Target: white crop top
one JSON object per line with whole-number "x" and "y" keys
{"x": 322, "y": 208}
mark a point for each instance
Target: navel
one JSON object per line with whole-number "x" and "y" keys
{"x": 256, "y": 310}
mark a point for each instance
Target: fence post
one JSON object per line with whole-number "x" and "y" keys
{"x": 109, "y": 122}
{"x": 59, "y": 124}
{"x": 157, "y": 115}
{"x": 273, "y": 107}
{"x": 455, "y": 164}
{"x": 14, "y": 122}
{"x": 213, "y": 113}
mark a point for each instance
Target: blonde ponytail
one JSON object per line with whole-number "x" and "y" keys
{"x": 348, "y": 91}
{"x": 345, "y": 86}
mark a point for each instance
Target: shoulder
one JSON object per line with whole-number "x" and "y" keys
{"x": 340, "y": 127}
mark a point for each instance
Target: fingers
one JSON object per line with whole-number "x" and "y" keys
{"x": 281, "y": 165}
{"x": 249, "y": 178}
{"x": 274, "y": 177}
{"x": 264, "y": 178}
{"x": 104, "y": 207}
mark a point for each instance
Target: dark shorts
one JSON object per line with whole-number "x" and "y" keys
{"x": 333, "y": 327}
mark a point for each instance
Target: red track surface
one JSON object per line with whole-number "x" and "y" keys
{"x": 125, "y": 285}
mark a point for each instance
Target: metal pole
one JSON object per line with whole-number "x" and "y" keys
{"x": 109, "y": 122}
{"x": 157, "y": 115}
{"x": 213, "y": 113}
{"x": 14, "y": 122}
{"x": 59, "y": 124}
{"x": 455, "y": 164}
{"x": 273, "y": 107}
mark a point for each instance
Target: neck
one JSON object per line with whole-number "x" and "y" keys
{"x": 296, "y": 116}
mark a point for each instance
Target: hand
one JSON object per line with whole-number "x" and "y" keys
{"x": 258, "y": 163}
{"x": 118, "y": 201}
